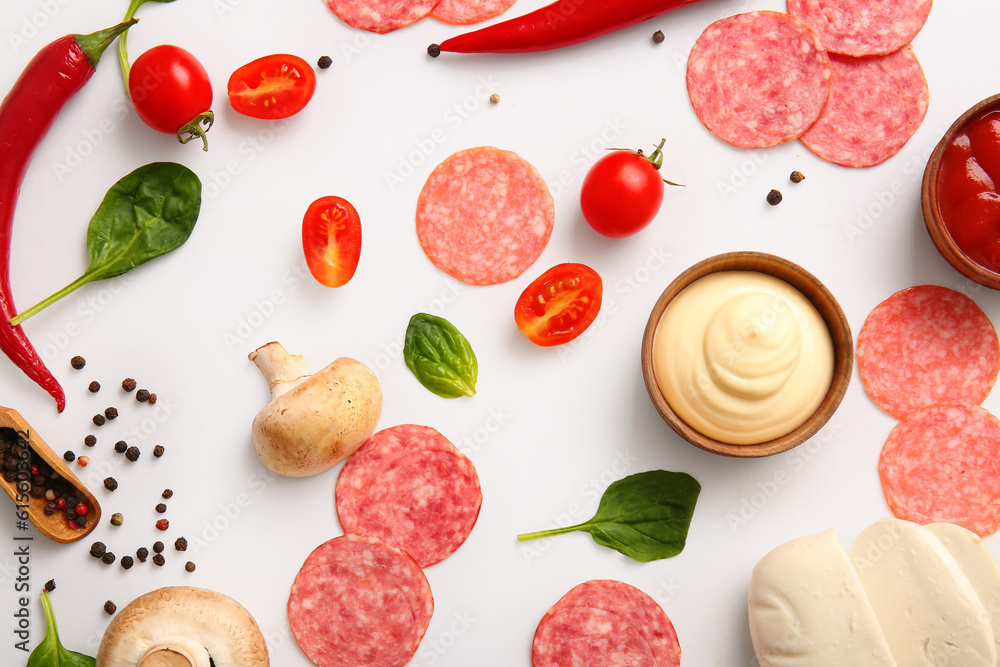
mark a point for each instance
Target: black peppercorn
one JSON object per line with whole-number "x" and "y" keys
{"x": 97, "y": 549}
{"x": 128, "y": 384}
{"x": 121, "y": 446}
{"x": 189, "y": 566}
{"x": 50, "y": 585}
{"x": 796, "y": 177}
{"x": 167, "y": 493}
{"x": 433, "y": 50}
{"x": 142, "y": 553}
{"x": 99, "y": 420}
{"x": 181, "y": 544}
{"x": 50, "y": 509}
{"x": 324, "y": 62}
{"x": 157, "y": 546}
{"x": 774, "y": 197}
{"x": 126, "y": 562}
{"x": 658, "y": 37}
{"x": 110, "y": 483}
{"x": 69, "y": 455}
{"x": 158, "y": 451}
{"x": 90, "y": 440}
{"x": 94, "y": 387}
{"x": 110, "y": 608}
{"x": 77, "y": 362}
{"x": 160, "y": 508}
{"x": 159, "y": 560}
{"x": 117, "y": 519}
{"x": 108, "y": 558}
{"x": 142, "y": 395}
{"x": 132, "y": 453}
{"x": 111, "y": 413}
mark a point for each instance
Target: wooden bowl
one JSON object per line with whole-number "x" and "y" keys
{"x": 55, "y": 526}
{"x": 818, "y": 295}
{"x": 932, "y": 212}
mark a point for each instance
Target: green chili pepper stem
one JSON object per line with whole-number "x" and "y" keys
{"x": 94, "y": 44}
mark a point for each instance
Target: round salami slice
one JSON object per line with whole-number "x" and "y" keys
{"x": 758, "y": 79}
{"x": 380, "y": 16}
{"x": 385, "y": 563}
{"x": 580, "y": 629}
{"x": 863, "y": 27}
{"x": 484, "y": 215}
{"x": 466, "y": 12}
{"x": 641, "y": 610}
{"x": 585, "y": 636}
{"x": 344, "y": 614}
{"x": 942, "y": 464}
{"x": 413, "y": 489}
{"x": 926, "y": 345}
{"x": 875, "y": 106}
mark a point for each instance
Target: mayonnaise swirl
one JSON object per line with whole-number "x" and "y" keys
{"x": 742, "y": 357}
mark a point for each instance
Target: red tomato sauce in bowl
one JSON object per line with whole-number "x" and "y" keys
{"x": 961, "y": 193}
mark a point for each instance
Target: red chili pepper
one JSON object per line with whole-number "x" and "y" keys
{"x": 26, "y": 114}
{"x": 559, "y": 24}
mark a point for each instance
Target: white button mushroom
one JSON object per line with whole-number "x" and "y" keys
{"x": 316, "y": 420}
{"x": 182, "y": 626}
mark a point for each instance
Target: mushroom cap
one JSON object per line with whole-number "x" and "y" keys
{"x": 182, "y": 626}
{"x": 321, "y": 421}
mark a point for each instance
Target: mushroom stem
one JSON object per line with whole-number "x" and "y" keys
{"x": 283, "y": 371}
{"x": 175, "y": 652}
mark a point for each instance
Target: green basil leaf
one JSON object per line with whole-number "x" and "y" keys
{"x": 645, "y": 516}
{"x": 440, "y": 356}
{"x": 148, "y": 213}
{"x": 50, "y": 652}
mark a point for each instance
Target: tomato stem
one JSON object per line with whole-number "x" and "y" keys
{"x": 194, "y": 128}
{"x": 122, "y": 45}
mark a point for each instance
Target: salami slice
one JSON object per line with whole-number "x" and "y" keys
{"x": 926, "y": 345}
{"x": 353, "y": 612}
{"x": 410, "y": 487}
{"x": 484, "y": 215}
{"x": 581, "y": 629}
{"x": 385, "y": 563}
{"x": 875, "y": 106}
{"x": 863, "y": 27}
{"x": 380, "y": 16}
{"x": 758, "y": 79}
{"x": 942, "y": 464}
{"x": 466, "y": 12}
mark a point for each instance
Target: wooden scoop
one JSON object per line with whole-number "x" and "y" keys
{"x": 55, "y": 526}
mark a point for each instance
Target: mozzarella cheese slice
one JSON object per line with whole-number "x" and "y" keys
{"x": 928, "y": 609}
{"x": 979, "y": 567}
{"x": 808, "y": 609}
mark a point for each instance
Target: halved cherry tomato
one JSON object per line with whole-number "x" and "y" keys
{"x": 331, "y": 239}
{"x": 171, "y": 92}
{"x": 560, "y": 304}
{"x": 623, "y": 191}
{"x": 275, "y": 86}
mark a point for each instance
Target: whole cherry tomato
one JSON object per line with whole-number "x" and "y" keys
{"x": 331, "y": 239}
{"x": 276, "y": 86}
{"x": 559, "y": 305}
{"x": 623, "y": 191}
{"x": 171, "y": 92}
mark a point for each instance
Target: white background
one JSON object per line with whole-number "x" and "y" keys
{"x": 549, "y": 428}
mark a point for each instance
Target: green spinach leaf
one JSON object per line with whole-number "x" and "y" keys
{"x": 440, "y": 356}
{"x": 50, "y": 652}
{"x": 148, "y": 213}
{"x": 645, "y": 516}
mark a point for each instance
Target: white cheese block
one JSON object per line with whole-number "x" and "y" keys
{"x": 928, "y": 609}
{"x": 808, "y": 609}
{"x": 979, "y": 567}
